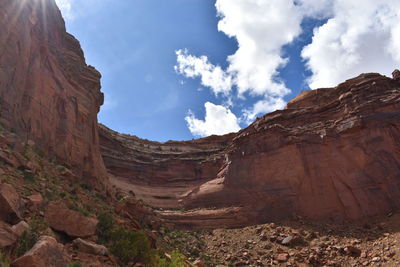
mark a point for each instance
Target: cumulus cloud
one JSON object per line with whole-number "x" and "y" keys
{"x": 218, "y": 120}
{"x": 266, "y": 105}
{"x": 361, "y": 36}
{"x": 210, "y": 75}
{"x": 261, "y": 29}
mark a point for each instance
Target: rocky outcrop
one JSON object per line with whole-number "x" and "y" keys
{"x": 90, "y": 247}
{"x": 7, "y": 236}
{"x": 332, "y": 154}
{"x": 47, "y": 252}
{"x": 48, "y": 93}
{"x": 11, "y": 205}
{"x": 73, "y": 223}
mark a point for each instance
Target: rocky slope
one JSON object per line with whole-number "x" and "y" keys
{"x": 48, "y": 93}
{"x": 332, "y": 154}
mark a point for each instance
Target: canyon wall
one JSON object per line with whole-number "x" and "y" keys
{"x": 332, "y": 154}
{"x": 48, "y": 93}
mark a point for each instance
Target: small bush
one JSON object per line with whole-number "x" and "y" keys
{"x": 75, "y": 264}
{"x": 4, "y": 261}
{"x": 29, "y": 238}
{"x": 130, "y": 246}
{"x": 29, "y": 177}
{"x": 105, "y": 227}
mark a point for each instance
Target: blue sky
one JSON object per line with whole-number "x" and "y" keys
{"x": 179, "y": 69}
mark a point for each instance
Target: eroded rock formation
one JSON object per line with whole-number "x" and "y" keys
{"x": 48, "y": 93}
{"x": 332, "y": 154}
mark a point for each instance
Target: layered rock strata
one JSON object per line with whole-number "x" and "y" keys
{"x": 332, "y": 154}
{"x": 48, "y": 93}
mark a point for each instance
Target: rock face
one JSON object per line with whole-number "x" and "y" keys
{"x": 90, "y": 247}
{"x": 47, "y": 252}
{"x": 11, "y": 206}
{"x": 7, "y": 236}
{"x": 48, "y": 93}
{"x": 332, "y": 154}
{"x": 73, "y": 223}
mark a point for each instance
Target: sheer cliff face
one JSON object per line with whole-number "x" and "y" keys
{"x": 331, "y": 154}
{"x": 48, "y": 93}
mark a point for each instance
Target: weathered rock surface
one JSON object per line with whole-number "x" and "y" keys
{"x": 47, "y": 252}
{"x": 90, "y": 247}
{"x": 331, "y": 154}
{"x": 11, "y": 205}
{"x": 20, "y": 228}
{"x": 73, "y": 223}
{"x": 7, "y": 235}
{"x": 48, "y": 93}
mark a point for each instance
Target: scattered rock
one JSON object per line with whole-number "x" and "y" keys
{"x": 20, "y": 228}
{"x": 376, "y": 259}
{"x": 47, "y": 252}
{"x": 35, "y": 201}
{"x": 199, "y": 263}
{"x": 282, "y": 257}
{"x": 11, "y": 205}
{"x": 90, "y": 247}
{"x": 353, "y": 251}
{"x": 7, "y": 235}
{"x": 71, "y": 222}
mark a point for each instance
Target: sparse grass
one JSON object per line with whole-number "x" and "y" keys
{"x": 4, "y": 261}
{"x": 75, "y": 264}
{"x": 28, "y": 239}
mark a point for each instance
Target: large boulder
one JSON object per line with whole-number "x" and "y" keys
{"x": 73, "y": 223}
{"x": 11, "y": 205}
{"x": 7, "y": 235}
{"x": 90, "y": 247}
{"x": 47, "y": 252}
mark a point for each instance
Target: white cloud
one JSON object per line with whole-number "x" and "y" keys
{"x": 362, "y": 36}
{"x": 267, "y": 105}
{"x": 211, "y": 76}
{"x": 218, "y": 120}
{"x": 261, "y": 29}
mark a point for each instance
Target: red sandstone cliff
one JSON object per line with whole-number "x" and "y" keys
{"x": 331, "y": 154}
{"x": 334, "y": 153}
{"x": 48, "y": 93}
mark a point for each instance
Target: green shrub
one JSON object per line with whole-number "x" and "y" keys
{"x": 130, "y": 246}
{"x": 177, "y": 260}
{"x": 4, "y": 261}
{"x": 29, "y": 177}
{"x": 29, "y": 238}
{"x": 105, "y": 227}
{"x": 75, "y": 264}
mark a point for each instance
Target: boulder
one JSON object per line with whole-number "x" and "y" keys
{"x": 47, "y": 252}
{"x": 7, "y": 235}
{"x": 20, "y": 228}
{"x": 90, "y": 247}
{"x": 73, "y": 223}
{"x": 35, "y": 201}
{"x": 11, "y": 205}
